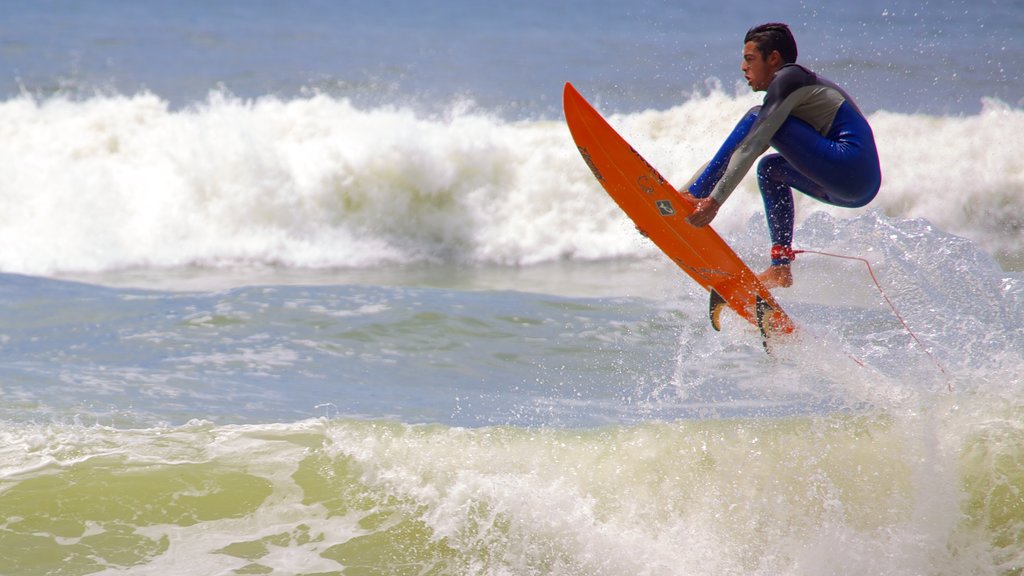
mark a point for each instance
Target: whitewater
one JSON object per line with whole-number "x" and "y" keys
{"x": 120, "y": 182}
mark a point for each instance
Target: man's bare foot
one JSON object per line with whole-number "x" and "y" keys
{"x": 779, "y": 276}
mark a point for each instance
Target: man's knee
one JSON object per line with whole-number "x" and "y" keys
{"x": 770, "y": 169}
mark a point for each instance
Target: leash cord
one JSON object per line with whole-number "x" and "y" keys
{"x": 887, "y": 301}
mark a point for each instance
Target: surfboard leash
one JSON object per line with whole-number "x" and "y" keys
{"x": 892, "y": 306}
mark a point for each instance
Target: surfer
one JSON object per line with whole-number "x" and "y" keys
{"x": 825, "y": 147}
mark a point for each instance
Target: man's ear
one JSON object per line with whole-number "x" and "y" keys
{"x": 775, "y": 59}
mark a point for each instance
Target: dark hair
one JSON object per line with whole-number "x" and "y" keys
{"x": 771, "y": 37}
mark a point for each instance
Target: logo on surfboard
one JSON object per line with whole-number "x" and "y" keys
{"x": 645, "y": 184}
{"x": 665, "y": 207}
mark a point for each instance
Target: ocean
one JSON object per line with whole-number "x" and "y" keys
{"x": 315, "y": 287}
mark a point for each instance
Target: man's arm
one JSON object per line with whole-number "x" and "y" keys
{"x": 783, "y": 95}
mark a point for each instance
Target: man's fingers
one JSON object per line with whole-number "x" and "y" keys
{"x": 697, "y": 220}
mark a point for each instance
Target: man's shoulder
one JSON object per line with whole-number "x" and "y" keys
{"x": 795, "y": 74}
{"x": 788, "y": 80}
{"x": 793, "y": 77}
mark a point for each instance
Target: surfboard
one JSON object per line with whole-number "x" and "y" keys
{"x": 659, "y": 213}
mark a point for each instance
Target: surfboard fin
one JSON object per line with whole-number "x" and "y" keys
{"x": 762, "y": 309}
{"x": 715, "y": 306}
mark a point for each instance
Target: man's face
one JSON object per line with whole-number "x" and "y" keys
{"x": 758, "y": 70}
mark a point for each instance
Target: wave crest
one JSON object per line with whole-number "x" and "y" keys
{"x": 113, "y": 182}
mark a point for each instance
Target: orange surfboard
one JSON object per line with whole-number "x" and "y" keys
{"x": 660, "y": 212}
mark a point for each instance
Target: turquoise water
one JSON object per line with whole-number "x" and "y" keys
{"x": 852, "y": 495}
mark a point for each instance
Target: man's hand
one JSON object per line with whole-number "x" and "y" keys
{"x": 704, "y": 212}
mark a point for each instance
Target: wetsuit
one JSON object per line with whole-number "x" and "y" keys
{"x": 826, "y": 150}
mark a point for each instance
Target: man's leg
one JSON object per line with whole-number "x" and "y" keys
{"x": 840, "y": 169}
{"x": 776, "y": 178}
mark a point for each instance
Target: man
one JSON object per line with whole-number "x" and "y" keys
{"x": 825, "y": 146}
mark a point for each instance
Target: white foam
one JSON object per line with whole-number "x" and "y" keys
{"x": 895, "y": 492}
{"x": 116, "y": 182}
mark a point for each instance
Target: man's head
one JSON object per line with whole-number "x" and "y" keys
{"x": 766, "y": 48}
